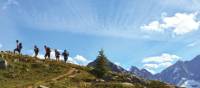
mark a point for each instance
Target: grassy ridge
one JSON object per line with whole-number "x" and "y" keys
{"x": 27, "y": 72}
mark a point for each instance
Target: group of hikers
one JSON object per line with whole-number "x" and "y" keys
{"x": 47, "y": 55}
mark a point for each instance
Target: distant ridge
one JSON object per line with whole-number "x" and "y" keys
{"x": 141, "y": 73}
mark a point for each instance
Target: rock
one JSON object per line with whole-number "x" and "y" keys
{"x": 115, "y": 77}
{"x": 16, "y": 60}
{"x": 41, "y": 86}
{"x": 100, "y": 80}
{"x": 3, "y": 64}
{"x": 127, "y": 84}
{"x": 129, "y": 79}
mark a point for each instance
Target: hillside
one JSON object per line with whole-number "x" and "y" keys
{"x": 24, "y": 71}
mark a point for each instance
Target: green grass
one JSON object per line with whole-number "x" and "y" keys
{"x": 28, "y": 71}
{"x": 24, "y": 71}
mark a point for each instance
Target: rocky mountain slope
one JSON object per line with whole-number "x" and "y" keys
{"x": 182, "y": 72}
{"x": 141, "y": 73}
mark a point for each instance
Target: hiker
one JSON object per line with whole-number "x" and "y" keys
{"x": 48, "y": 52}
{"x": 65, "y": 54}
{"x": 17, "y": 43}
{"x": 36, "y": 50}
{"x": 19, "y": 47}
{"x": 57, "y": 54}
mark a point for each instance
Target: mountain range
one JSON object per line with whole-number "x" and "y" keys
{"x": 182, "y": 73}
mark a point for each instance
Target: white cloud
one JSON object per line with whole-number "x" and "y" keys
{"x": 117, "y": 63}
{"x": 81, "y": 60}
{"x": 153, "y": 26}
{"x": 71, "y": 60}
{"x": 41, "y": 56}
{"x": 166, "y": 64}
{"x": 156, "y": 67}
{"x": 8, "y": 3}
{"x": 180, "y": 24}
{"x": 151, "y": 66}
{"x": 158, "y": 63}
{"x": 152, "y": 71}
{"x": 160, "y": 59}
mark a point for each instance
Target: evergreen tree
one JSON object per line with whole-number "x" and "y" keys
{"x": 101, "y": 66}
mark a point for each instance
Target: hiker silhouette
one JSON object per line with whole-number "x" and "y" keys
{"x": 36, "y": 50}
{"x": 65, "y": 54}
{"x": 19, "y": 47}
{"x": 47, "y": 52}
{"x": 47, "y": 55}
{"x": 57, "y": 54}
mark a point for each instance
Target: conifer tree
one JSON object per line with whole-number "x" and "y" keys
{"x": 101, "y": 66}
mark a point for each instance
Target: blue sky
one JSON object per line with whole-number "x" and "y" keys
{"x": 151, "y": 34}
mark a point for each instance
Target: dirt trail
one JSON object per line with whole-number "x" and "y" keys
{"x": 68, "y": 74}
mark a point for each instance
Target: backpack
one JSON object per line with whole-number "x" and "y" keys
{"x": 36, "y": 49}
{"x": 48, "y": 50}
{"x": 66, "y": 54}
{"x": 20, "y": 46}
{"x": 57, "y": 53}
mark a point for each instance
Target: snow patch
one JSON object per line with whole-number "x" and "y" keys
{"x": 190, "y": 84}
{"x": 176, "y": 70}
